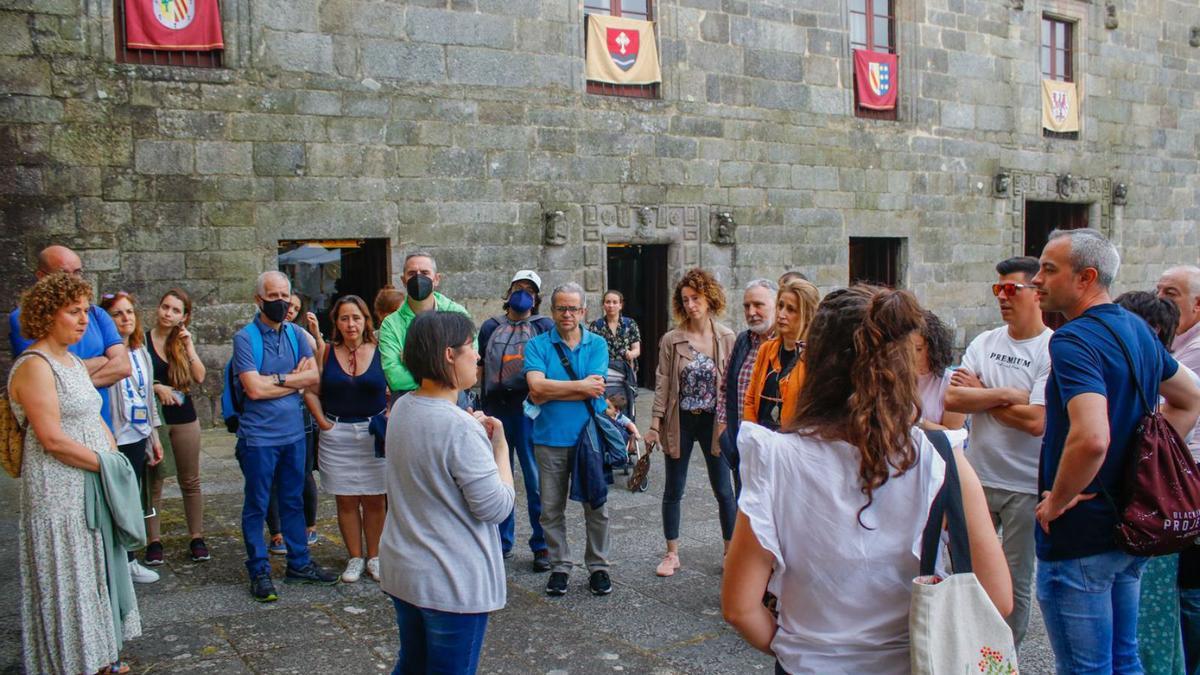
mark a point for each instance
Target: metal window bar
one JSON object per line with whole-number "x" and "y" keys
{"x": 613, "y": 8}
{"x": 160, "y": 57}
{"x": 875, "y": 260}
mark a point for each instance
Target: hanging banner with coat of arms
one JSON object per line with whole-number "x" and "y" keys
{"x": 621, "y": 51}
{"x": 193, "y": 25}
{"x": 876, "y": 80}
{"x": 1060, "y": 106}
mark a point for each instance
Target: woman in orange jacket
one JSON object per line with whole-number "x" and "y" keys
{"x": 779, "y": 369}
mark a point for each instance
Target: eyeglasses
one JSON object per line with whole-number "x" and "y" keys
{"x": 1010, "y": 289}
{"x": 564, "y": 309}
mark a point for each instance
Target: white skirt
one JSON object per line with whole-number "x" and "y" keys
{"x": 346, "y": 457}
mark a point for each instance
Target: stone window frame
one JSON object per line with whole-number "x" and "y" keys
{"x": 652, "y": 91}
{"x": 1068, "y": 11}
{"x": 892, "y": 246}
{"x": 101, "y": 25}
{"x": 870, "y": 14}
{"x": 904, "y": 39}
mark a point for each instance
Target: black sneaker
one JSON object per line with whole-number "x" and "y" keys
{"x": 541, "y": 561}
{"x": 507, "y": 554}
{"x": 199, "y": 550}
{"x": 154, "y": 554}
{"x": 310, "y": 574}
{"x": 262, "y": 589}
{"x": 557, "y": 584}
{"x": 600, "y": 583}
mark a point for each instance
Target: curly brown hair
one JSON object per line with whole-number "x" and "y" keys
{"x": 40, "y": 302}
{"x": 861, "y": 385}
{"x": 703, "y": 282}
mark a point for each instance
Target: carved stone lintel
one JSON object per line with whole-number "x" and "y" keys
{"x": 1120, "y": 194}
{"x": 1194, "y": 38}
{"x": 1110, "y": 16}
{"x": 1001, "y": 184}
{"x": 724, "y": 231}
{"x": 554, "y": 230}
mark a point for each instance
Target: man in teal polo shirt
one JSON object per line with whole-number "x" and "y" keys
{"x": 421, "y": 280}
{"x": 562, "y": 403}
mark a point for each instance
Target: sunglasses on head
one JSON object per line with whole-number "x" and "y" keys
{"x": 1010, "y": 289}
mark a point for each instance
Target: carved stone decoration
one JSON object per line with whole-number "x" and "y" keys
{"x": 1017, "y": 4}
{"x": 1001, "y": 184}
{"x": 725, "y": 230}
{"x": 554, "y": 230}
{"x": 1064, "y": 185}
{"x": 1110, "y": 16}
{"x": 1194, "y": 39}
{"x": 1120, "y": 194}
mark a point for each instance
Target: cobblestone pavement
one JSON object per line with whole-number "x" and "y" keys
{"x": 199, "y": 617}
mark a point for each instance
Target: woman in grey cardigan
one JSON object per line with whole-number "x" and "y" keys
{"x": 449, "y": 484}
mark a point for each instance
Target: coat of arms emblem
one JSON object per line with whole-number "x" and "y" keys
{"x": 880, "y": 78}
{"x": 174, "y": 14}
{"x": 623, "y": 47}
{"x": 1059, "y": 106}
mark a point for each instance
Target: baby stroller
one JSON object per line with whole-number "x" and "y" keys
{"x": 621, "y": 379}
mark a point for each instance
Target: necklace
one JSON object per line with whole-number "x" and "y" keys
{"x": 353, "y": 356}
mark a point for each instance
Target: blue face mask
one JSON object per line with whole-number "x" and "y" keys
{"x": 521, "y": 301}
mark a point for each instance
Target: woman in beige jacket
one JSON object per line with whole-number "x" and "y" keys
{"x": 691, "y": 362}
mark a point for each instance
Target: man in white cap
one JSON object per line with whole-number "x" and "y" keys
{"x": 502, "y": 340}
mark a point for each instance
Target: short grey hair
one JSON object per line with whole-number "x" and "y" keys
{"x": 572, "y": 288}
{"x": 1089, "y": 248}
{"x": 260, "y": 287}
{"x": 762, "y": 283}
{"x": 420, "y": 254}
{"x": 1193, "y": 277}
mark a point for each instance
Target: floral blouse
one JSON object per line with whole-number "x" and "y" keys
{"x": 627, "y": 335}
{"x": 698, "y": 384}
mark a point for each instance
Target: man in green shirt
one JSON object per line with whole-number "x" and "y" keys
{"x": 421, "y": 280}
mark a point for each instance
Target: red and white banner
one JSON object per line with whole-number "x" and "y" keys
{"x": 876, "y": 79}
{"x": 192, "y": 25}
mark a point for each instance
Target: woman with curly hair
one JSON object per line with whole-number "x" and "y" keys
{"x": 833, "y": 506}
{"x": 691, "y": 361}
{"x": 932, "y": 345}
{"x": 71, "y": 620}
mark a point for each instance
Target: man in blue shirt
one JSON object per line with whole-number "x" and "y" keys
{"x": 562, "y": 413}
{"x": 100, "y": 349}
{"x": 1088, "y": 588}
{"x": 271, "y": 445}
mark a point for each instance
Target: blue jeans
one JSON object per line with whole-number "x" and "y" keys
{"x": 1091, "y": 610}
{"x": 438, "y": 642}
{"x": 518, "y": 430}
{"x": 262, "y": 467}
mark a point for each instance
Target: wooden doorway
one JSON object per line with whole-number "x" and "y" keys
{"x": 323, "y": 270}
{"x": 639, "y": 272}
{"x": 1042, "y": 218}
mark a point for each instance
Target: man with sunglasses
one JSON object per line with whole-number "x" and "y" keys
{"x": 101, "y": 348}
{"x": 1001, "y": 384}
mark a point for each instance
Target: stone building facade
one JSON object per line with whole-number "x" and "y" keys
{"x": 464, "y": 127}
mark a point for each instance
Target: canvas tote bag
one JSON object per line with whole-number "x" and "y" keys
{"x": 953, "y": 626}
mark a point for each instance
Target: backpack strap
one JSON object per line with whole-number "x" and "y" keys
{"x": 1128, "y": 360}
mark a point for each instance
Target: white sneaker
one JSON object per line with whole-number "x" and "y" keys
{"x": 140, "y": 574}
{"x": 354, "y": 570}
{"x": 373, "y": 568}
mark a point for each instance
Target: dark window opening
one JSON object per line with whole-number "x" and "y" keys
{"x": 873, "y": 28}
{"x": 640, "y": 274}
{"x": 323, "y": 270}
{"x": 1057, "y": 60}
{"x": 633, "y": 9}
{"x": 160, "y": 57}
{"x": 876, "y": 260}
{"x": 1042, "y": 218}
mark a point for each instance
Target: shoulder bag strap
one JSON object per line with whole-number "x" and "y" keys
{"x": 566, "y": 363}
{"x": 946, "y": 505}
{"x": 1129, "y": 360}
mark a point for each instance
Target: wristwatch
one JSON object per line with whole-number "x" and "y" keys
{"x": 280, "y": 378}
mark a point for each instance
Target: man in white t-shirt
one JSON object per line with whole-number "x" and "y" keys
{"x": 1001, "y": 384}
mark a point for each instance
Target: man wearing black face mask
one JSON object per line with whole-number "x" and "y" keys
{"x": 421, "y": 279}
{"x": 502, "y": 359}
{"x": 273, "y": 363}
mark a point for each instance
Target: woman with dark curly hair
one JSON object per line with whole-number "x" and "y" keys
{"x": 691, "y": 361}
{"x": 72, "y": 621}
{"x": 933, "y": 345}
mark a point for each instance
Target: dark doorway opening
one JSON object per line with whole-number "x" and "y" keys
{"x": 876, "y": 260}
{"x": 639, "y": 272}
{"x": 323, "y": 270}
{"x": 1042, "y": 218}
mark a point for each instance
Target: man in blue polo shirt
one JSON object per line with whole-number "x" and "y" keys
{"x": 1087, "y": 587}
{"x": 562, "y": 412}
{"x": 100, "y": 349}
{"x": 271, "y": 446}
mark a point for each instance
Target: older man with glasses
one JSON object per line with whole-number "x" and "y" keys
{"x": 561, "y": 411}
{"x": 101, "y": 348}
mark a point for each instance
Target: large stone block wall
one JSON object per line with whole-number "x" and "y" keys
{"x": 455, "y": 125}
